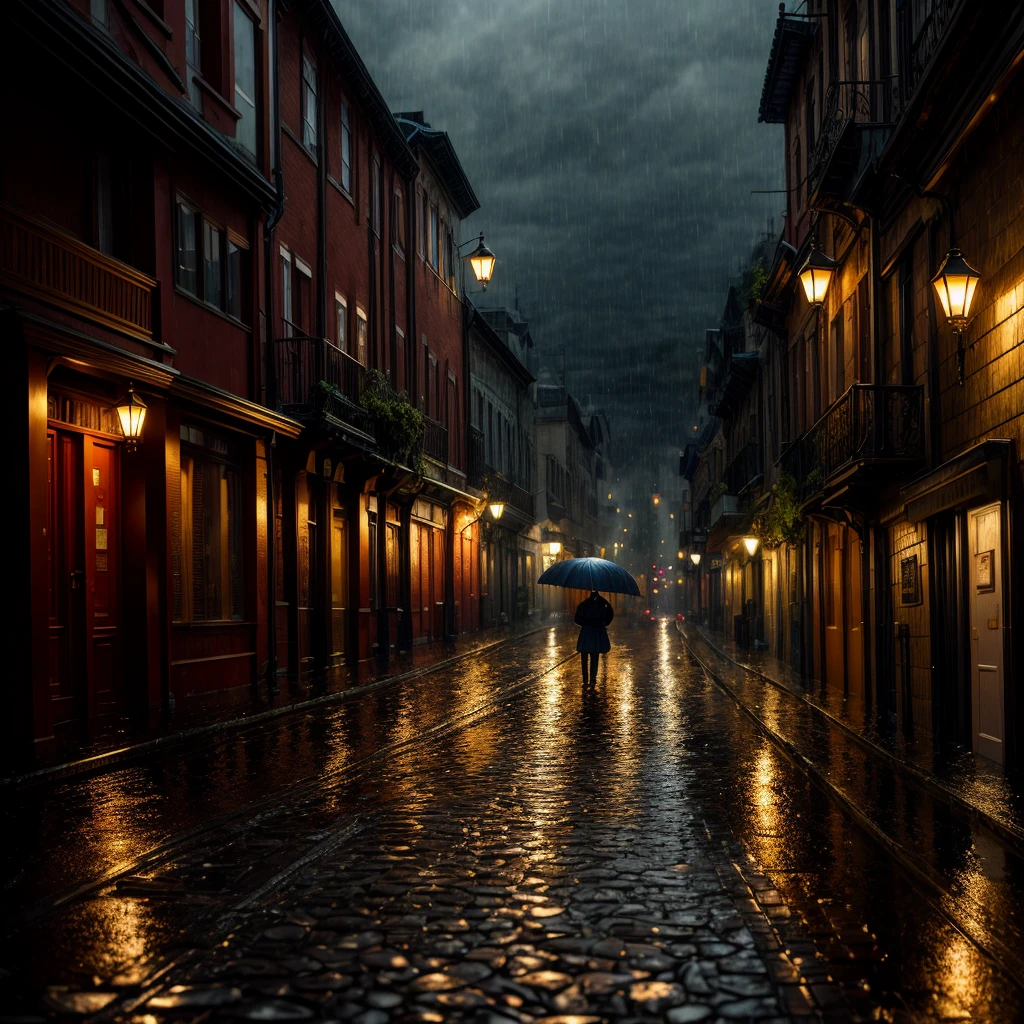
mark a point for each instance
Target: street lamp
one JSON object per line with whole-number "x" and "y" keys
{"x": 751, "y": 544}
{"x": 131, "y": 411}
{"x": 955, "y": 284}
{"x": 679, "y": 555}
{"x": 816, "y": 275}
{"x": 554, "y": 547}
{"x": 695, "y": 557}
{"x": 482, "y": 261}
{"x": 656, "y": 498}
{"x": 497, "y": 508}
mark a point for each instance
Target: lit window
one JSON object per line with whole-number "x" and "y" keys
{"x": 341, "y": 321}
{"x": 362, "y": 336}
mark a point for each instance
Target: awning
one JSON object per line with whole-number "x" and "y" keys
{"x": 977, "y": 475}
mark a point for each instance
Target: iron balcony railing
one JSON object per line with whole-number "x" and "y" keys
{"x": 501, "y": 488}
{"x": 927, "y": 33}
{"x": 316, "y": 378}
{"x": 435, "y": 440}
{"x": 868, "y": 423}
{"x": 44, "y": 262}
{"x": 744, "y": 468}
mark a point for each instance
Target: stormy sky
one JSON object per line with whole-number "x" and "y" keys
{"x": 613, "y": 145}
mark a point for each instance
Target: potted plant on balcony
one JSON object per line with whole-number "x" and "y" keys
{"x": 399, "y": 425}
{"x": 781, "y": 522}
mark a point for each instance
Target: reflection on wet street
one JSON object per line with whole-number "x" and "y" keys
{"x": 488, "y": 842}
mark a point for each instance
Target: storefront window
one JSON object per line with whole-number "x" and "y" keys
{"x": 207, "y": 546}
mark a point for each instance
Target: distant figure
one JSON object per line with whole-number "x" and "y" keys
{"x": 593, "y": 616}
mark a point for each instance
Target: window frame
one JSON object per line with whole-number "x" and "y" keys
{"x": 435, "y": 238}
{"x": 310, "y": 133}
{"x": 398, "y": 220}
{"x": 347, "y": 149}
{"x": 341, "y": 322}
{"x": 239, "y": 11}
{"x": 363, "y": 327}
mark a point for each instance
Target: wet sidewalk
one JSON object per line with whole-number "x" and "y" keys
{"x": 193, "y": 716}
{"x": 978, "y": 787}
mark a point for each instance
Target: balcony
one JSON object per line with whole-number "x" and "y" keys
{"x": 928, "y": 33}
{"x": 316, "y": 381}
{"x": 54, "y": 267}
{"x": 501, "y": 488}
{"x": 856, "y": 122}
{"x": 724, "y": 505}
{"x": 477, "y": 466}
{"x": 744, "y": 468}
{"x": 435, "y": 440}
{"x": 878, "y": 426}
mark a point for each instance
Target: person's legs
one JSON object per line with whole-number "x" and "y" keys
{"x": 583, "y": 662}
{"x": 593, "y": 668}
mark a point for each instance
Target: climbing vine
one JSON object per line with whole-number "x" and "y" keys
{"x": 399, "y": 425}
{"x": 781, "y": 523}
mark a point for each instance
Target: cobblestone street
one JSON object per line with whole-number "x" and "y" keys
{"x": 542, "y": 853}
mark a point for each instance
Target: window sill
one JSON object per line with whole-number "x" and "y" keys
{"x": 211, "y": 92}
{"x": 155, "y": 18}
{"x": 341, "y": 188}
{"x": 303, "y": 148}
{"x": 210, "y": 308}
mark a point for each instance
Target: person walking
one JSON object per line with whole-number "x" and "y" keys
{"x": 593, "y": 615}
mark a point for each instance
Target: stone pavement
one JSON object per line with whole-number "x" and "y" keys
{"x": 549, "y": 862}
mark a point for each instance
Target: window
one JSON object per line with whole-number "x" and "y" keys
{"x": 398, "y": 219}
{"x": 212, "y": 265}
{"x": 98, "y": 10}
{"x": 302, "y": 294}
{"x": 376, "y": 198}
{"x": 346, "y": 147}
{"x": 400, "y": 383}
{"x": 421, "y": 230}
{"x": 192, "y": 52}
{"x": 424, "y": 377}
{"x": 245, "y": 80}
{"x": 206, "y": 552}
{"x": 449, "y": 252}
{"x": 186, "y": 243}
{"x": 362, "y": 336}
{"x": 341, "y": 321}
{"x": 286, "y": 292}
{"x": 308, "y": 105}
{"x": 435, "y": 240}
{"x": 235, "y": 278}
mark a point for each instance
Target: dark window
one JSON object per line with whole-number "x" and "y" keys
{"x": 193, "y": 51}
{"x": 206, "y": 551}
{"x": 398, "y": 219}
{"x": 810, "y": 118}
{"x": 234, "y": 280}
{"x": 213, "y": 265}
{"x": 376, "y": 198}
{"x": 435, "y": 238}
{"x": 308, "y": 105}
{"x": 245, "y": 79}
{"x": 187, "y": 275}
{"x": 224, "y": 260}
{"x": 906, "y": 322}
{"x": 346, "y": 147}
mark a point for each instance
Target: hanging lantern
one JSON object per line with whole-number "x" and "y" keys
{"x": 955, "y": 284}
{"x": 131, "y": 411}
{"x": 751, "y": 544}
{"x": 497, "y": 508}
{"x": 554, "y": 548}
{"x": 816, "y": 275}
{"x": 695, "y": 557}
{"x": 482, "y": 261}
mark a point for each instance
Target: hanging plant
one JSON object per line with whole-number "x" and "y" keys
{"x": 717, "y": 491}
{"x": 398, "y": 424}
{"x": 781, "y": 523}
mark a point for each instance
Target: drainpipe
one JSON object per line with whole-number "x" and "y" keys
{"x": 273, "y": 217}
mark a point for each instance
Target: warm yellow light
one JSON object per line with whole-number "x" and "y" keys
{"x": 625, "y": 529}
{"x": 671, "y": 515}
{"x": 816, "y": 275}
{"x": 554, "y": 548}
{"x": 656, "y": 499}
{"x": 482, "y": 260}
{"x": 955, "y": 284}
{"x": 751, "y": 544}
{"x": 679, "y": 554}
{"x": 131, "y": 411}
{"x": 655, "y": 590}
{"x": 680, "y": 580}
{"x": 630, "y": 514}
{"x": 618, "y": 510}
{"x": 609, "y": 495}
{"x": 695, "y": 557}
{"x": 497, "y": 508}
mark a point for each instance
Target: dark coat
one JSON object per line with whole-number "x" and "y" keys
{"x": 594, "y": 615}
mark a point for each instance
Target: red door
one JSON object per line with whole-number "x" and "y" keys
{"x": 83, "y": 530}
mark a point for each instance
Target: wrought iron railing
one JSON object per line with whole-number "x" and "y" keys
{"x": 743, "y": 468}
{"x": 927, "y": 34}
{"x": 875, "y": 423}
{"x": 39, "y": 260}
{"x": 876, "y": 103}
{"x": 501, "y": 488}
{"x": 435, "y": 440}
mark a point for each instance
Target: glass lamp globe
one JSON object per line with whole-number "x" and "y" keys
{"x": 955, "y": 284}
{"x": 482, "y": 261}
{"x": 816, "y": 275}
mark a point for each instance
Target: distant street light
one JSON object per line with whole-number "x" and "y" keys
{"x": 679, "y": 554}
{"x": 656, "y": 498}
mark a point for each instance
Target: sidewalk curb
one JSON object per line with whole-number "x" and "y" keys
{"x": 1007, "y": 833}
{"x": 990, "y": 946}
{"x": 125, "y": 754}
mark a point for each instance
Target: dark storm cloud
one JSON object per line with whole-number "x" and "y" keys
{"x": 613, "y": 145}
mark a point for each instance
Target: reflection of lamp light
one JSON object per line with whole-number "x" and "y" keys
{"x": 554, "y": 547}
{"x": 497, "y": 508}
{"x": 751, "y": 544}
{"x": 695, "y": 557}
{"x": 131, "y": 411}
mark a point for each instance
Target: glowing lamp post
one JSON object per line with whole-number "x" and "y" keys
{"x": 816, "y": 275}
{"x": 131, "y": 411}
{"x": 955, "y": 284}
{"x": 481, "y": 261}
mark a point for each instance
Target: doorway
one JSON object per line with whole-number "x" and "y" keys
{"x": 83, "y": 555}
{"x": 985, "y": 583}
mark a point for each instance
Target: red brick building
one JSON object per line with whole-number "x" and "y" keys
{"x": 210, "y": 201}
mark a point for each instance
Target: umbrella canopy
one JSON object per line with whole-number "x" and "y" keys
{"x": 590, "y": 574}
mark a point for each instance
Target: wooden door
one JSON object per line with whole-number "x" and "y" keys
{"x": 987, "y": 615}
{"x": 84, "y": 533}
{"x": 832, "y": 603}
{"x": 339, "y": 578}
{"x": 66, "y": 564}
{"x": 854, "y": 619}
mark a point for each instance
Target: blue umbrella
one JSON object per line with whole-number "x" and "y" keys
{"x": 590, "y": 574}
